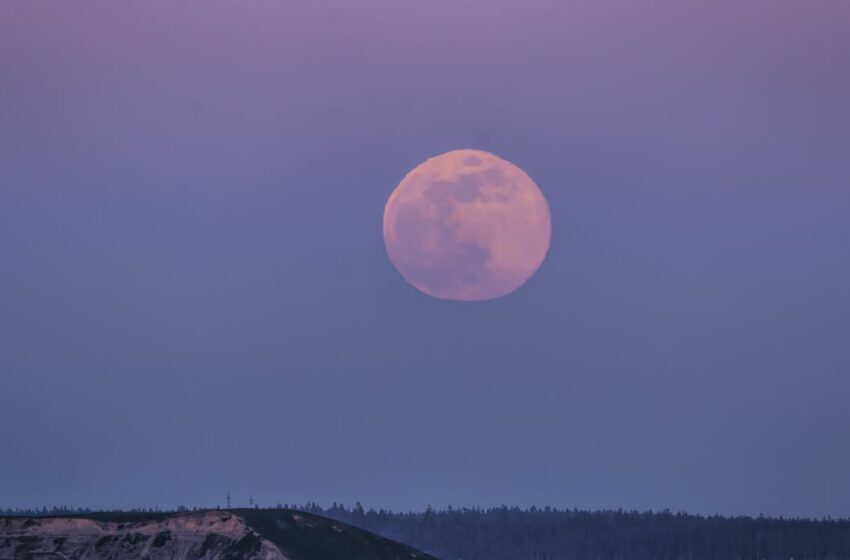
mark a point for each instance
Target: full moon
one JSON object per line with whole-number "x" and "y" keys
{"x": 467, "y": 225}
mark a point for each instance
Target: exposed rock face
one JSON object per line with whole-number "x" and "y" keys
{"x": 208, "y": 535}
{"x": 201, "y": 536}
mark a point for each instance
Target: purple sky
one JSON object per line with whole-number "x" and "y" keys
{"x": 195, "y": 295}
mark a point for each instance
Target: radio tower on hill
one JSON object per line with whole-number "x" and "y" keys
{"x": 228, "y": 500}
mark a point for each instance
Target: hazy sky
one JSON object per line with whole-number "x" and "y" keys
{"x": 195, "y": 296}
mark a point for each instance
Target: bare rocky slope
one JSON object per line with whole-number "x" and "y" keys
{"x": 207, "y": 535}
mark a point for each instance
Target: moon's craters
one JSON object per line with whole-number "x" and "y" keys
{"x": 467, "y": 225}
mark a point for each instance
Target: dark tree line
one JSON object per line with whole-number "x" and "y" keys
{"x": 553, "y": 534}
{"x": 65, "y": 510}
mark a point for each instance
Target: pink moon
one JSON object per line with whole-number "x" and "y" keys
{"x": 467, "y": 225}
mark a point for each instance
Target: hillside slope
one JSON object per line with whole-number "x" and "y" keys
{"x": 207, "y": 535}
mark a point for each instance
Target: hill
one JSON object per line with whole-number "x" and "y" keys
{"x": 248, "y": 534}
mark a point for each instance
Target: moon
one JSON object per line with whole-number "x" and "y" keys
{"x": 467, "y": 225}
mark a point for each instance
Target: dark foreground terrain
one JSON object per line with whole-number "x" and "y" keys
{"x": 278, "y": 534}
{"x": 306, "y": 533}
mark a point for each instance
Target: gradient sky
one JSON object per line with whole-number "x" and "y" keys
{"x": 195, "y": 296}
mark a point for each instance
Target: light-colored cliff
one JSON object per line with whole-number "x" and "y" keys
{"x": 209, "y": 535}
